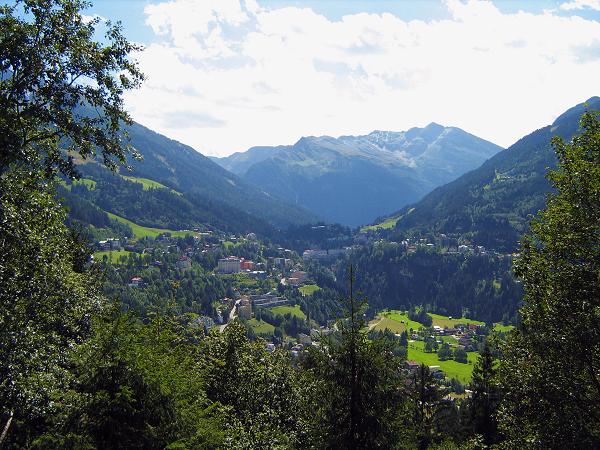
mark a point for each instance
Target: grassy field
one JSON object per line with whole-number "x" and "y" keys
{"x": 503, "y": 328}
{"x": 113, "y": 256}
{"x": 261, "y": 327}
{"x": 384, "y": 323}
{"x": 397, "y": 322}
{"x": 452, "y": 369}
{"x": 385, "y": 225}
{"x": 445, "y": 322}
{"x": 91, "y": 184}
{"x": 289, "y": 309}
{"x": 399, "y": 316}
{"x": 308, "y": 289}
{"x": 148, "y": 184}
{"x": 140, "y": 231}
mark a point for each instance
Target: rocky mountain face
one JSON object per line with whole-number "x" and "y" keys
{"x": 354, "y": 179}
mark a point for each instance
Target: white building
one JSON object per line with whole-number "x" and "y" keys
{"x": 230, "y": 264}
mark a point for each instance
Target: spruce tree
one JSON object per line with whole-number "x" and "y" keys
{"x": 485, "y": 397}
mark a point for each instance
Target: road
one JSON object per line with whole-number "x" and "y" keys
{"x": 232, "y": 315}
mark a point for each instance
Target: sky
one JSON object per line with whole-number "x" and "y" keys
{"x": 226, "y": 75}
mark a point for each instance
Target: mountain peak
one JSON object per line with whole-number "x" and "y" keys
{"x": 434, "y": 126}
{"x": 577, "y": 110}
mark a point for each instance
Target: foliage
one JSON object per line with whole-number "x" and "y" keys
{"x": 449, "y": 284}
{"x": 358, "y": 387}
{"x": 552, "y": 360}
{"x": 260, "y": 390}
{"x": 47, "y": 298}
{"x": 60, "y": 87}
{"x": 485, "y": 397}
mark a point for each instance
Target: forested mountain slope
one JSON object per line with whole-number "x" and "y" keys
{"x": 353, "y": 179}
{"x": 175, "y": 187}
{"x": 492, "y": 203}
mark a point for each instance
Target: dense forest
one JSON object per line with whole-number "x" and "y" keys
{"x": 78, "y": 371}
{"x": 458, "y": 285}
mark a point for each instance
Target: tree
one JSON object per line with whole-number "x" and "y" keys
{"x": 358, "y": 402}
{"x": 46, "y": 303}
{"x": 551, "y": 371}
{"x": 426, "y": 397}
{"x": 61, "y": 91}
{"x": 486, "y": 396}
{"x": 460, "y": 356}
{"x": 445, "y": 352}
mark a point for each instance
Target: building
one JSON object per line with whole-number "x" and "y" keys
{"x": 325, "y": 255}
{"x": 184, "y": 263}
{"x": 437, "y": 373}
{"x": 136, "y": 282}
{"x": 258, "y": 274}
{"x": 206, "y": 322}
{"x": 412, "y": 366}
{"x": 109, "y": 244}
{"x": 247, "y": 265}
{"x": 231, "y": 264}
{"x": 300, "y": 275}
{"x": 282, "y": 263}
{"x": 307, "y": 255}
{"x": 268, "y": 300}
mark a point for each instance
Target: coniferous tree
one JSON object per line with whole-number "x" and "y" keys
{"x": 358, "y": 399}
{"x": 485, "y": 397}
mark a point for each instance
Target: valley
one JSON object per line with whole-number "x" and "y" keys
{"x": 423, "y": 289}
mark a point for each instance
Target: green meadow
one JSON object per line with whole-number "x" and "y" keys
{"x": 446, "y": 322}
{"x": 308, "y": 289}
{"x": 91, "y": 184}
{"x": 452, "y": 369}
{"x": 140, "y": 231}
{"x": 261, "y": 327}
{"x": 385, "y": 225}
{"x": 289, "y": 309}
{"x": 402, "y": 318}
{"x": 113, "y": 256}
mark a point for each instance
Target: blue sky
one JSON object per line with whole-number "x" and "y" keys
{"x": 230, "y": 74}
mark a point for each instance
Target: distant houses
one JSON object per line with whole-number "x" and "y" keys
{"x": 268, "y": 300}
{"x": 136, "y": 282}
{"x": 233, "y": 264}
{"x": 109, "y": 244}
{"x": 325, "y": 255}
{"x": 184, "y": 263}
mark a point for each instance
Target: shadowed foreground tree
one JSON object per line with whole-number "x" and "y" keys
{"x": 51, "y": 69}
{"x": 359, "y": 401}
{"x": 486, "y": 397}
{"x": 551, "y": 371}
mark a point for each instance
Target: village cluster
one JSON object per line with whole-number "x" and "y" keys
{"x": 286, "y": 268}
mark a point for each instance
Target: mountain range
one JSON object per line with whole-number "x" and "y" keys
{"x": 187, "y": 190}
{"x": 354, "y": 179}
{"x": 493, "y": 203}
{"x": 350, "y": 179}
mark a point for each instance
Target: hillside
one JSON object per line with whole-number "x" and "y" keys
{"x": 353, "y": 179}
{"x": 175, "y": 187}
{"x": 491, "y": 204}
{"x": 184, "y": 169}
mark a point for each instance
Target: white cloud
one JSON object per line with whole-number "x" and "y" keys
{"x": 581, "y": 4}
{"x": 234, "y": 75}
{"x": 88, "y": 18}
